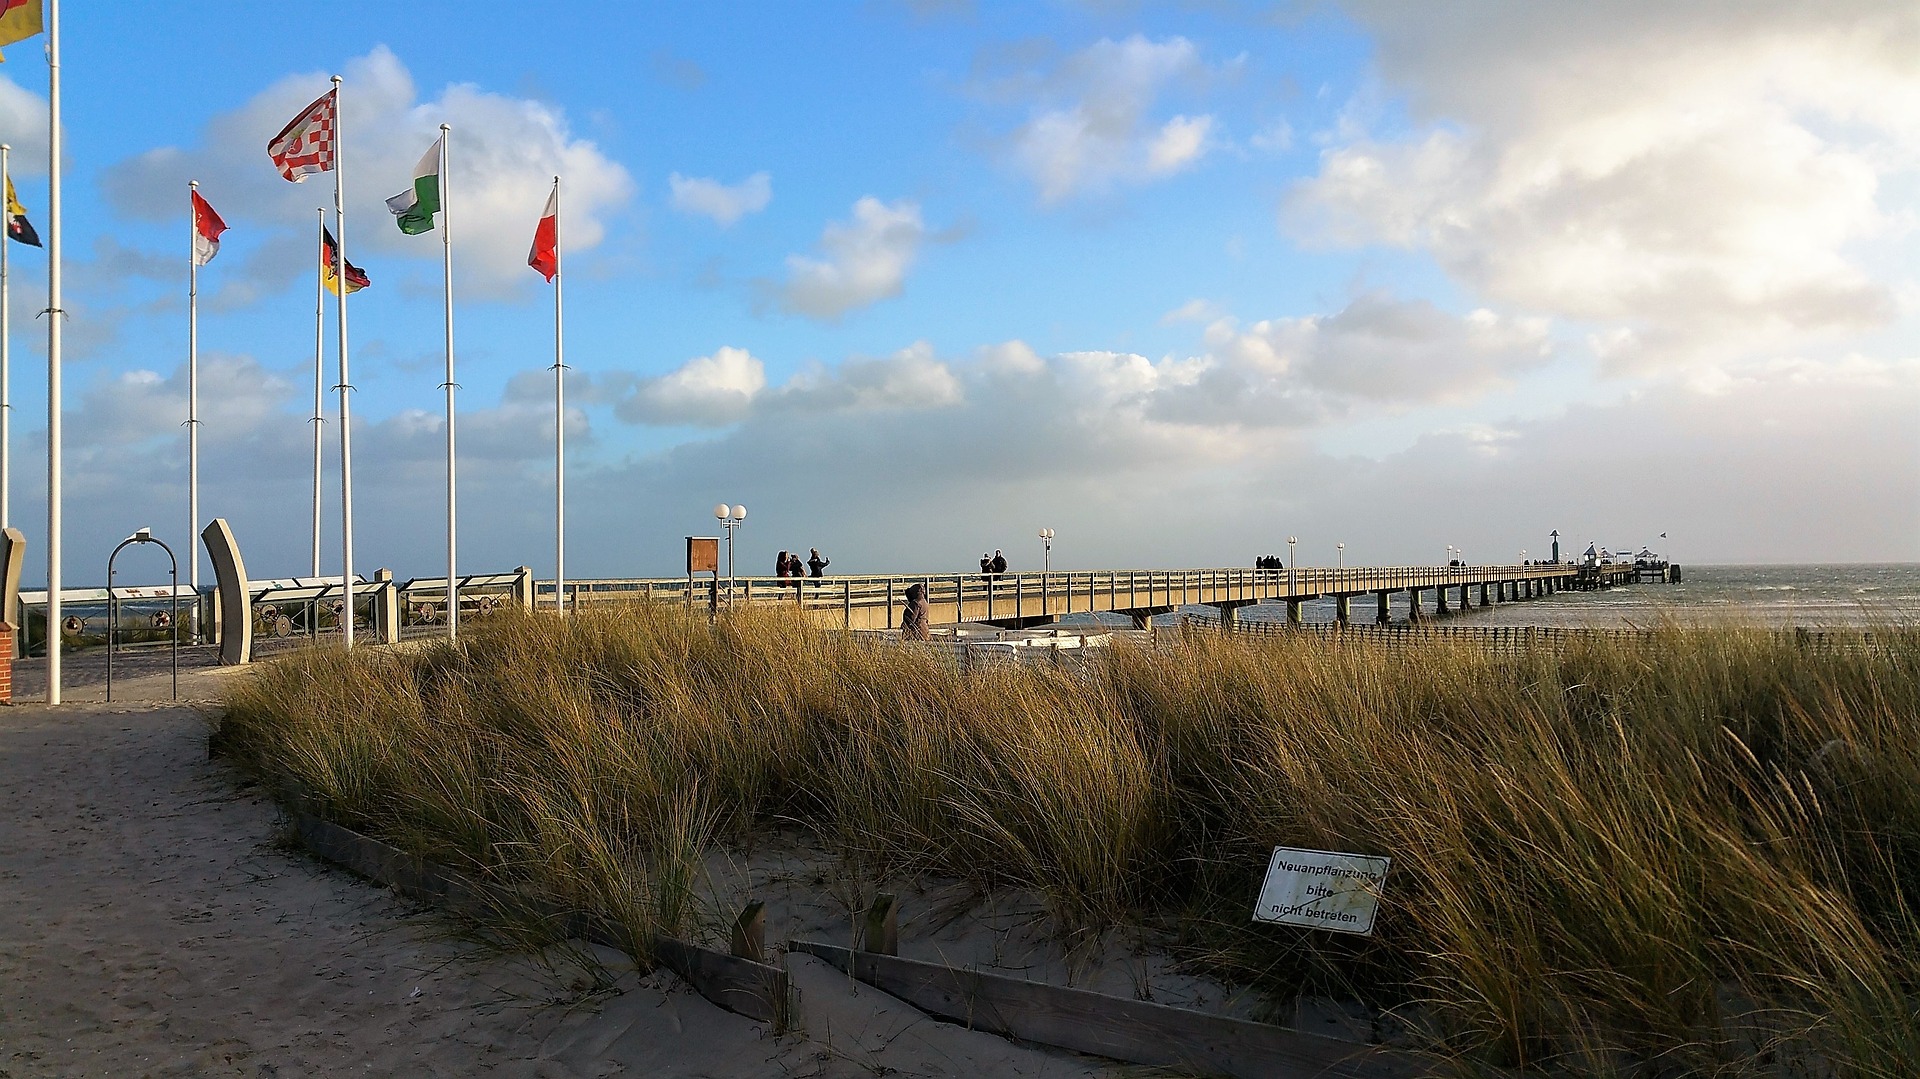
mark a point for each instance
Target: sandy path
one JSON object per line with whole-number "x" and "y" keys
{"x": 155, "y": 925}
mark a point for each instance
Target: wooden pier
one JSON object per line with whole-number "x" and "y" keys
{"x": 1019, "y": 600}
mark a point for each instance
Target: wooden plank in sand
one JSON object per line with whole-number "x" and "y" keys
{"x": 755, "y": 990}
{"x": 1128, "y": 1030}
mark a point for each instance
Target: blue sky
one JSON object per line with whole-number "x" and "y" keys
{"x": 912, "y": 280}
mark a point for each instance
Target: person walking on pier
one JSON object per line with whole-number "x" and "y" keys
{"x": 999, "y": 564}
{"x": 817, "y": 565}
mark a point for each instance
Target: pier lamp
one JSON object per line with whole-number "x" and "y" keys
{"x": 1046, "y": 555}
{"x": 1340, "y": 554}
{"x": 730, "y": 517}
{"x": 1291, "y": 541}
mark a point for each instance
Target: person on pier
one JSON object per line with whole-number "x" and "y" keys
{"x": 999, "y": 564}
{"x": 816, "y": 565}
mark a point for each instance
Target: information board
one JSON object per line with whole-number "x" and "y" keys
{"x": 1321, "y": 889}
{"x": 703, "y": 554}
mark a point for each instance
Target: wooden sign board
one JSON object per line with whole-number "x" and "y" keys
{"x": 1320, "y": 889}
{"x": 703, "y": 554}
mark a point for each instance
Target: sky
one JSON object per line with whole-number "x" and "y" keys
{"x": 914, "y": 280}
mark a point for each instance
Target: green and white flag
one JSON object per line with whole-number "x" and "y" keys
{"x": 413, "y": 209}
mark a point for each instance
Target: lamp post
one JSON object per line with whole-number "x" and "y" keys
{"x": 1340, "y": 552}
{"x": 1291, "y": 541}
{"x": 1046, "y": 555}
{"x": 729, "y": 517}
{"x": 1449, "y": 556}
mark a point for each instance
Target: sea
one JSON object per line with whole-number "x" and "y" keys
{"x": 1790, "y": 595}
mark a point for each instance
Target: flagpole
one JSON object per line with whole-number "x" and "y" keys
{"x": 340, "y": 331}
{"x": 446, "y": 262}
{"x": 6, "y": 365}
{"x": 193, "y": 399}
{"x": 319, "y": 373}
{"x": 54, "y": 316}
{"x": 559, "y": 426}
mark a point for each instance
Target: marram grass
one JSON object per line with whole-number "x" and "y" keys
{"x": 1697, "y": 856}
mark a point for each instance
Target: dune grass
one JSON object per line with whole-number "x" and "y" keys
{"x": 1700, "y": 856}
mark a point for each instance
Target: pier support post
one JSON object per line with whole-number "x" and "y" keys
{"x": 1440, "y": 600}
{"x": 1343, "y": 608}
{"x": 1227, "y": 617}
{"x": 1382, "y": 597}
{"x": 1466, "y": 600}
{"x": 1414, "y": 613}
{"x": 1293, "y": 611}
{"x": 1486, "y": 597}
{"x": 1141, "y": 621}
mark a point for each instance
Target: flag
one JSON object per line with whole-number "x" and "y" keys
{"x": 414, "y": 208}
{"x": 356, "y": 277}
{"x": 306, "y": 144}
{"x": 19, "y": 20}
{"x": 18, "y": 226}
{"x": 207, "y": 228}
{"x": 545, "y": 255}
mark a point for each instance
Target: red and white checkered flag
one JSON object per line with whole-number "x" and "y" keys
{"x": 306, "y": 145}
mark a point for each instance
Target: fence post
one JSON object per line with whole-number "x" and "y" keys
{"x": 846, "y": 603}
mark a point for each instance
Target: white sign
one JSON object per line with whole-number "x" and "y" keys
{"x": 1320, "y": 889}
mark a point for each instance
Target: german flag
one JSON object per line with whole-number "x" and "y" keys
{"x": 19, "y": 20}
{"x": 356, "y": 277}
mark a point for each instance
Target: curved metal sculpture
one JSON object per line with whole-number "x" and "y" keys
{"x": 236, "y": 614}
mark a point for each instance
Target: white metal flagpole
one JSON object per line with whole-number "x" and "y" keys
{"x": 54, "y": 316}
{"x": 6, "y": 366}
{"x": 346, "y": 385}
{"x": 319, "y": 373}
{"x": 559, "y": 426}
{"x": 193, "y": 396}
{"x": 446, "y": 261}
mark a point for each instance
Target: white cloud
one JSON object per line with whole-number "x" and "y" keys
{"x": 1703, "y": 174}
{"x": 865, "y": 260}
{"x": 724, "y": 203}
{"x": 1089, "y": 123}
{"x": 911, "y": 379}
{"x": 1195, "y": 310}
{"x": 1180, "y": 143}
{"x": 23, "y": 117}
{"x": 1296, "y": 372}
{"x": 705, "y": 391}
{"x": 504, "y": 154}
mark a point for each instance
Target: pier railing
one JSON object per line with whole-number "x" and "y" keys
{"x": 876, "y": 601}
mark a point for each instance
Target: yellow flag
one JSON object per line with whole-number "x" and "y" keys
{"x": 19, "y": 20}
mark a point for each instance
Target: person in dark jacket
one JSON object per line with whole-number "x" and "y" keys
{"x": 915, "y": 621}
{"x": 780, "y": 565}
{"x": 816, "y": 564}
{"x": 999, "y": 563}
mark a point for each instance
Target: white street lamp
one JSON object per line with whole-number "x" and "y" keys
{"x": 1340, "y": 550}
{"x": 1291, "y": 541}
{"x": 729, "y": 517}
{"x": 1046, "y": 556}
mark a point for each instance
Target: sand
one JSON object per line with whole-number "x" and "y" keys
{"x": 157, "y": 923}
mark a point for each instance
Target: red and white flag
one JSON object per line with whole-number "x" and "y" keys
{"x": 306, "y": 145}
{"x": 207, "y": 228}
{"x": 545, "y": 255}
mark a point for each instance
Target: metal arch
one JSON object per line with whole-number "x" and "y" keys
{"x": 173, "y": 617}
